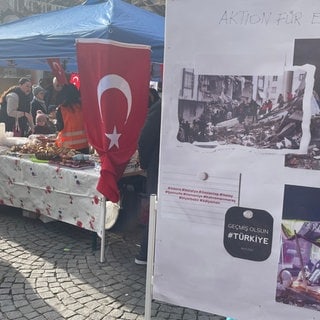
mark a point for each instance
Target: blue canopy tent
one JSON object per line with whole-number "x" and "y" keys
{"x": 28, "y": 42}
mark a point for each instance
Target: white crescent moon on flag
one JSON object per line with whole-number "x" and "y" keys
{"x": 114, "y": 81}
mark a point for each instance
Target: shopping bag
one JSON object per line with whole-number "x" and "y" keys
{"x": 16, "y": 129}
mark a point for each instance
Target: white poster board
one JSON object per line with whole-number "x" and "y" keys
{"x": 234, "y": 176}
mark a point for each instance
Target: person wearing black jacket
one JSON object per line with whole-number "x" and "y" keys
{"x": 148, "y": 148}
{"x": 15, "y": 108}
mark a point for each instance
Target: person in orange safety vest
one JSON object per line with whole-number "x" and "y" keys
{"x": 70, "y": 122}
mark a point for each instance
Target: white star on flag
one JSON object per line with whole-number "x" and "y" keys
{"x": 114, "y": 138}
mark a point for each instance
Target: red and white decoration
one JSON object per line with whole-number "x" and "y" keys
{"x": 57, "y": 70}
{"x": 114, "y": 91}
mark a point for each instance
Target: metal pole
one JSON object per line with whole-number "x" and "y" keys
{"x": 103, "y": 233}
{"x": 150, "y": 260}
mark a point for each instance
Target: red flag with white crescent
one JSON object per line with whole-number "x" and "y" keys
{"x": 114, "y": 92}
{"x": 57, "y": 70}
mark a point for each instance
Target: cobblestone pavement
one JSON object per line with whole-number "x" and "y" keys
{"x": 50, "y": 271}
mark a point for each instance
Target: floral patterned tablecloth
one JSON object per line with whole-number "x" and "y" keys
{"x": 64, "y": 194}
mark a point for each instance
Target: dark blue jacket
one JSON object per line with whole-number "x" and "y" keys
{"x": 148, "y": 146}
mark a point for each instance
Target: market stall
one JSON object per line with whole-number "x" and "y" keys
{"x": 54, "y": 35}
{"x": 55, "y": 189}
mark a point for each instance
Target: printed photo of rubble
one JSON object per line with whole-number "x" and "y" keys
{"x": 308, "y": 51}
{"x": 311, "y": 159}
{"x": 262, "y": 112}
{"x": 298, "y": 281}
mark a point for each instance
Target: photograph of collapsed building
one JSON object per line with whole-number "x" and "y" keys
{"x": 263, "y": 112}
{"x": 308, "y": 51}
{"x": 298, "y": 281}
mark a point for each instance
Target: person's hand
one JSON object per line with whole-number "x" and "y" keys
{"x": 28, "y": 116}
{"x": 30, "y": 120}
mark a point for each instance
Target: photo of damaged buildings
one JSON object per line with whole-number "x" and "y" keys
{"x": 263, "y": 112}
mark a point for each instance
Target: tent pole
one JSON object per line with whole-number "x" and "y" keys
{"x": 103, "y": 233}
{"x": 150, "y": 260}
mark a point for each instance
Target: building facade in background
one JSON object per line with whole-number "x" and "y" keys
{"x": 11, "y": 10}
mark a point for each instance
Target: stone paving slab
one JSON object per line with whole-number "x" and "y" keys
{"x": 50, "y": 271}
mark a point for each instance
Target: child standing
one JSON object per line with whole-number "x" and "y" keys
{"x": 42, "y": 126}
{"x": 52, "y": 119}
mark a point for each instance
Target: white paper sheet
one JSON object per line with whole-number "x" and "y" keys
{"x": 264, "y": 48}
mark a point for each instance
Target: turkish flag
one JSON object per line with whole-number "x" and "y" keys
{"x": 57, "y": 70}
{"x": 75, "y": 79}
{"x": 114, "y": 92}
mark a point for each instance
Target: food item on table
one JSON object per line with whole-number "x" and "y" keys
{"x": 51, "y": 151}
{"x": 81, "y": 157}
{"x": 45, "y": 151}
{"x": 27, "y": 148}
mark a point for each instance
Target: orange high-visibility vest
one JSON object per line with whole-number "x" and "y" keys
{"x": 73, "y": 135}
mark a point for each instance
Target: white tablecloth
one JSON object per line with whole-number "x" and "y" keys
{"x": 64, "y": 194}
